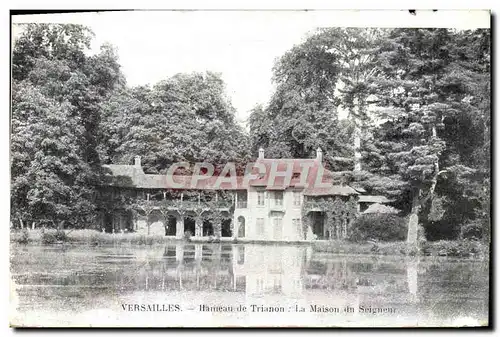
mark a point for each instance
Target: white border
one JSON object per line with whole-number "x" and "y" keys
{"x": 256, "y": 4}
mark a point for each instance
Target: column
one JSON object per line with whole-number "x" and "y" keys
{"x": 198, "y": 227}
{"x": 197, "y": 252}
{"x": 218, "y": 229}
{"x": 217, "y": 252}
{"x": 234, "y": 226}
{"x": 179, "y": 253}
{"x": 179, "y": 227}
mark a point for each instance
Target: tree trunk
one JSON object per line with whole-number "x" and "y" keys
{"x": 22, "y": 224}
{"x": 413, "y": 221}
{"x": 357, "y": 147}
{"x": 32, "y": 225}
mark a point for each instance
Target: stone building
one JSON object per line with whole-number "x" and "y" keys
{"x": 279, "y": 199}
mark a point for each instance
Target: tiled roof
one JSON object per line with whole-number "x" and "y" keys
{"x": 124, "y": 170}
{"x": 124, "y": 175}
{"x": 332, "y": 190}
{"x": 379, "y": 208}
{"x": 380, "y": 199}
{"x": 296, "y": 166}
{"x": 134, "y": 176}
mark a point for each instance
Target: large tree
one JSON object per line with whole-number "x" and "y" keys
{"x": 49, "y": 179}
{"x": 418, "y": 109}
{"x": 184, "y": 118}
{"x": 424, "y": 92}
{"x": 302, "y": 113}
{"x": 357, "y": 51}
{"x": 53, "y": 64}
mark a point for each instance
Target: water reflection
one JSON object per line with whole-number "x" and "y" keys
{"x": 74, "y": 278}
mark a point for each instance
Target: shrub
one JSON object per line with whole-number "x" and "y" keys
{"x": 457, "y": 248}
{"x": 473, "y": 230}
{"x": 379, "y": 226}
{"x": 94, "y": 239}
{"x": 24, "y": 237}
{"x": 50, "y": 237}
{"x": 60, "y": 235}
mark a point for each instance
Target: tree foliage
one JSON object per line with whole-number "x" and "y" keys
{"x": 72, "y": 112}
{"x": 416, "y": 102}
{"x": 428, "y": 88}
{"x": 418, "y": 114}
{"x": 184, "y": 118}
{"x": 302, "y": 113}
{"x": 57, "y": 87}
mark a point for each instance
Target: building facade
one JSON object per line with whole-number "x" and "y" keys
{"x": 278, "y": 199}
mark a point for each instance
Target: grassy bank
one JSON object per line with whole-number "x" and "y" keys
{"x": 459, "y": 248}
{"x": 85, "y": 236}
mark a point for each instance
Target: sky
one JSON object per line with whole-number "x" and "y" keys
{"x": 241, "y": 45}
{"x": 154, "y": 46}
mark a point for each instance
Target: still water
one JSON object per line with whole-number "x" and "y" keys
{"x": 240, "y": 285}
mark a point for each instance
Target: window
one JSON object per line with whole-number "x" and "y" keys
{"x": 278, "y": 228}
{"x": 241, "y": 255}
{"x": 260, "y": 285}
{"x": 298, "y": 228}
{"x": 296, "y": 198}
{"x": 278, "y": 198}
{"x": 260, "y": 198}
{"x": 260, "y": 226}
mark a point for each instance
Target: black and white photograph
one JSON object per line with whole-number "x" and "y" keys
{"x": 250, "y": 168}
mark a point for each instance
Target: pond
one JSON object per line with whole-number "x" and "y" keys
{"x": 183, "y": 284}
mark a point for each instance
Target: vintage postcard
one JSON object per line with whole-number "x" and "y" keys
{"x": 250, "y": 169}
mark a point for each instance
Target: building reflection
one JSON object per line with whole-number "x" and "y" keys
{"x": 255, "y": 274}
{"x": 269, "y": 269}
{"x": 261, "y": 273}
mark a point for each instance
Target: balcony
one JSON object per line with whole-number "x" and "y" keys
{"x": 241, "y": 204}
{"x": 188, "y": 205}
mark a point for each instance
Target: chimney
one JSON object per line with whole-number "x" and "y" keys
{"x": 261, "y": 153}
{"x": 137, "y": 161}
{"x": 319, "y": 155}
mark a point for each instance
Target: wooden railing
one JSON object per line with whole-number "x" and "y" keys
{"x": 188, "y": 204}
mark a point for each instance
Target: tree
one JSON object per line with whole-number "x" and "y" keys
{"x": 260, "y": 132}
{"x": 51, "y": 64}
{"x": 184, "y": 118}
{"x": 419, "y": 86}
{"x": 66, "y": 43}
{"x": 357, "y": 51}
{"x": 302, "y": 113}
{"x": 49, "y": 178}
